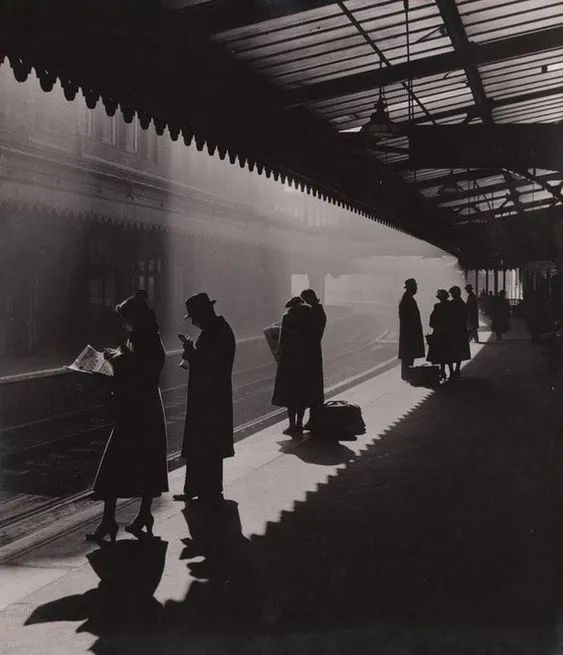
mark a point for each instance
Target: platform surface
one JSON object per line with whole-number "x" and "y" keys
{"x": 436, "y": 532}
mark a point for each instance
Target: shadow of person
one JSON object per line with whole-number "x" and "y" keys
{"x": 223, "y": 592}
{"x": 129, "y": 572}
{"x": 318, "y": 450}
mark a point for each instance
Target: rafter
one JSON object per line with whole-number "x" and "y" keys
{"x": 454, "y": 24}
{"x": 217, "y": 16}
{"x": 476, "y": 54}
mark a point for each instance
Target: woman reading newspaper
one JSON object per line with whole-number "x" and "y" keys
{"x": 134, "y": 462}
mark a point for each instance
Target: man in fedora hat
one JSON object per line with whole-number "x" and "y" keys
{"x": 208, "y": 432}
{"x": 411, "y": 338}
{"x": 472, "y": 314}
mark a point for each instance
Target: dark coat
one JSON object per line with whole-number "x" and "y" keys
{"x": 472, "y": 311}
{"x": 297, "y": 376}
{"x": 318, "y": 319}
{"x": 209, "y": 415}
{"x": 459, "y": 337}
{"x": 411, "y": 337}
{"x": 439, "y": 351}
{"x": 134, "y": 463}
{"x": 500, "y": 315}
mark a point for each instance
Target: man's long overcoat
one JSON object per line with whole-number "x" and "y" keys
{"x": 411, "y": 338}
{"x": 208, "y": 429}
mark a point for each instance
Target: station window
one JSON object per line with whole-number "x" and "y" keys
{"x": 101, "y": 289}
{"x": 146, "y": 276}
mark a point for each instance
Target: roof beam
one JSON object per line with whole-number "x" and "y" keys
{"x": 467, "y": 110}
{"x": 527, "y": 178}
{"x": 456, "y": 177}
{"x": 454, "y": 24}
{"x": 218, "y": 16}
{"x": 495, "y": 103}
{"x": 476, "y": 54}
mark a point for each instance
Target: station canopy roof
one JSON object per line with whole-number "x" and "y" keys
{"x": 336, "y": 95}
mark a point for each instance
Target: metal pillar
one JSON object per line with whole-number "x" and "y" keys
{"x": 487, "y": 280}
{"x": 495, "y": 281}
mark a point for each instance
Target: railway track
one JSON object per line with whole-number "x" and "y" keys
{"x": 19, "y": 511}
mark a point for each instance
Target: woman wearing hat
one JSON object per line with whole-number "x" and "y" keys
{"x": 134, "y": 463}
{"x": 459, "y": 336}
{"x": 296, "y": 387}
{"x": 439, "y": 341}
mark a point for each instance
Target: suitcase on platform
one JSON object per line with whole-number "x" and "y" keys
{"x": 337, "y": 419}
{"x": 424, "y": 376}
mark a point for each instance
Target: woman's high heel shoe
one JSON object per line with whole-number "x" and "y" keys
{"x": 109, "y": 529}
{"x": 136, "y": 528}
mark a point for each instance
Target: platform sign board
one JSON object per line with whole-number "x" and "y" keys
{"x": 487, "y": 146}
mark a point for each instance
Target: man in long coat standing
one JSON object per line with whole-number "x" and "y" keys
{"x": 208, "y": 432}
{"x": 411, "y": 338}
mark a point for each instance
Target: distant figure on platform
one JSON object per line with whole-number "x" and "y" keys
{"x": 439, "y": 350}
{"x": 459, "y": 338}
{"x": 318, "y": 324}
{"x": 208, "y": 431}
{"x": 472, "y": 314}
{"x": 134, "y": 463}
{"x": 411, "y": 337}
{"x": 489, "y": 304}
{"x": 500, "y": 315}
{"x": 297, "y": 378}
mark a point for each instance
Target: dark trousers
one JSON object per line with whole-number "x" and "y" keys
{"x": 204, "y": 477}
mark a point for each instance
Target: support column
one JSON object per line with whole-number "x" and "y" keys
{"x": 495, "y": 281}
{"x": 487, "y": 280}
{"x": 477, "y": 281}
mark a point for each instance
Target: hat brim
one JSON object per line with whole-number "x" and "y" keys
{"x": 211, "y": 302}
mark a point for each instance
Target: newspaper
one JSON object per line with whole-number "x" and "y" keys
{"x": 272, "y": 334}
{"x": 91, "y": 361}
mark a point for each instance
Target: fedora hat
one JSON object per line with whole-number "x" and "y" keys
{"x": 198, "y": 301}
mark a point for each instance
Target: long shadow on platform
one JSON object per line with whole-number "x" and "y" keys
{"x": 440, "y": 538}
{"x": 123, "y": 605}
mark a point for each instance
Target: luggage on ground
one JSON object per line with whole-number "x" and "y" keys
{"x": 337, "y": 419}
{"x": 424, "y": 376}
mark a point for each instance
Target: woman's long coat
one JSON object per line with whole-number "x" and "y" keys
{"x": 459, "y": 337}
{"x": 411, "y": 337}
{"x": 297, "y": 377}
{"x": 208, "y": 430}
{"x": 134, "y": 463}
{"x": 439, "y": 351}
{"x": 318, "y": 320}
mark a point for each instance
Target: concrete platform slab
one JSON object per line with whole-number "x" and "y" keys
{"x": 435, "y": 532}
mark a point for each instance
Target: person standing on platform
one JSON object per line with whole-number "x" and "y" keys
{"x": 472, "y": 314}
{"x": 439, "y": 351}
{"x": 296, "y": 386}
{"x": 134, "y": 463}
{"x": 500, "y": 315}
{"x": 208, "y": 431}
{"x": 411, "y": 337}
{"x": 459, "y": 338}
{"x": 318, "y": 323}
